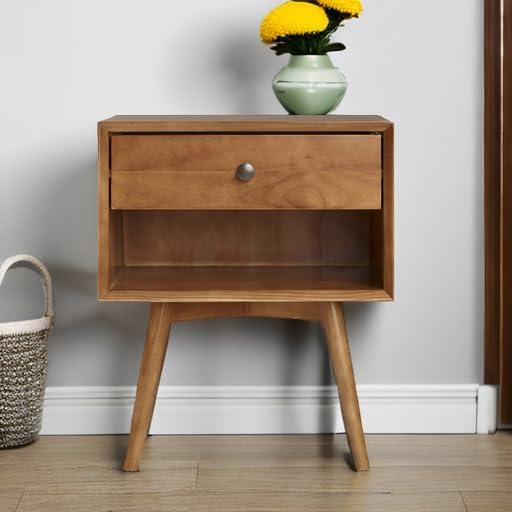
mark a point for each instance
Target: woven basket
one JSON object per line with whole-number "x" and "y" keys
{"x": 23, "y": 364}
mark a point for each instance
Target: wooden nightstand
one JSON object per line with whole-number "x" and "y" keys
{"x": 278, "y": 216}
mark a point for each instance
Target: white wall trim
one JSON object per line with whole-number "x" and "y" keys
{"x": 487, "y": 411}
{"x": 263, "y": 409}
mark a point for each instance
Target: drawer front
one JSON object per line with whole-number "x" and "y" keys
{"x": 199, "y": 171}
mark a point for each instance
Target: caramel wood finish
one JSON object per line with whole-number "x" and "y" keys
{"x": 386, "y": 215}
{"x": 221, "y": 153}
{"x": 157, "y": 190}
{"x": 169, "y": 233}
{"x": 247, "y": 238}
{"x": 110, "y": 256}
{"x": 337, "y": 340}
{"x": 498, "y": 201}
{"x": 149, "y": 378}
{"x": 167, "y": 238}
{"x": 242, "y": 284}
{"x": 313, "y": 312}
{"x": 250, "y": 124}
{"x": 330, "y": 315}
{"x": 183, "y": 171}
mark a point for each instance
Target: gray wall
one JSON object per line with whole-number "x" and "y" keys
{"x": 66, "y": 65}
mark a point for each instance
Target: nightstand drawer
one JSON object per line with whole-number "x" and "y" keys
{"x": 286, "y": 171}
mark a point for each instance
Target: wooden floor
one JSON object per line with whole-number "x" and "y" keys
{"x": 259, "y": 473}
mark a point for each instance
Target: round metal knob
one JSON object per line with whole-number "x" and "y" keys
{"x": 245, "y": 172}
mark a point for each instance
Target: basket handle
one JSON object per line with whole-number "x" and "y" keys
{"x": 27, "y": 261}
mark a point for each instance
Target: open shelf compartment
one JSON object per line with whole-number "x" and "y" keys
{"x": 262, "y": 255}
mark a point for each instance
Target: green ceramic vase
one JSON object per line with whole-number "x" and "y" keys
{"x": 310, "y": 85}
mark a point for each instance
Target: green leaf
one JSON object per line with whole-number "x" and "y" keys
{"x": 334, "y": 47}
{"x": 310, "y": 44}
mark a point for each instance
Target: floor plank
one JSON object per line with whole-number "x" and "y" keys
{"x": 487, "y": 501}
{"x": 296, "y": 450}
{"x": 68, "y": 499}
{"x": 9, "y": 498}
{"x": 441, "y": 450}
{"x": 334, "y": 502}
{"x": 88, "y": 460}
{"x": 46, "y": 480}
{"x": 105, "y": 450}
{"x": 340, "y": 479}
{"x": 326, "y": 450}
{"x": 74, "y": 500}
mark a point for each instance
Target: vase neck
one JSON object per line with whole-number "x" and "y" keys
{"x": 310, "y": 61}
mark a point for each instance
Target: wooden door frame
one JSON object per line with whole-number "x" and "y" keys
{"x": 498, "y": 202}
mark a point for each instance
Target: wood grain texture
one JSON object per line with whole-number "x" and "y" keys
{"x": 109, "y": 227}
{"x": 218, "y": 153}
{"x": 93, "y": 500}
{"x": 157, "y": 190}
{"x": 10, "y": 498}
{"x": 129, "y": 241}
{"x": 246, "y": 238}
{"x": 160, "y": 318}
{"x": 259, "y": 261}
{"x": 238, "y": 451}
{"x": 47, "y": 477}
{"x": 337, "y": 341}
{"x": 387, "y": 451}
{"x": 261, "y": 473}
{"x": 475, "y": 501}
{"x": 245, "y": 284}
{"x": 258, "y": 124}
{"x": 330, "y": 502}
{"x": 498, "y": 201}
{"x": 382, "y": 244}
{"x": 149, "y": 378}
{"x": 183, "y": 171}
{"x": 387, "y": 213}
{"x": 506, "y": 214}
{"x": 201, "y": 311}
{"x": 248, "y": 502}
{"x": 434, "y": 479}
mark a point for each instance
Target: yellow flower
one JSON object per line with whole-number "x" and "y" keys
{"x": 293, "y": 18}
{"x": 352, "y": 7}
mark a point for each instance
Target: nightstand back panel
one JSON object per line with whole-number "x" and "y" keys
{"x": 247, "y": 238}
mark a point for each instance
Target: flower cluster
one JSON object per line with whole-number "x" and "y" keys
{"x": 303, "y": 27}
{"x": 352, "y": 7}
{"x": 293, "y": 19}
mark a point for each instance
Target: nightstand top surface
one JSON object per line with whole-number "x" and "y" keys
{"x": 363, "y": 123}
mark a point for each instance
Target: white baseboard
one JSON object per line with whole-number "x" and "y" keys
{"x": 263, "y": 410}
{"x": 487, "y": 413}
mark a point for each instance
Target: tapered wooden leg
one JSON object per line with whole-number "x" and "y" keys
{"x": 337, "y": 340}
{"x": 149, "y": 377}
